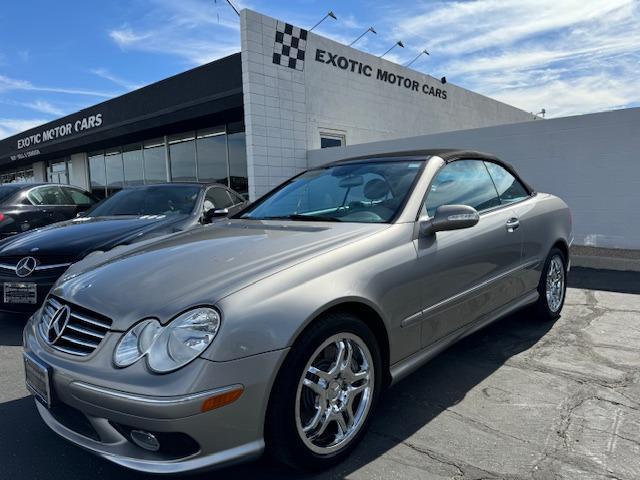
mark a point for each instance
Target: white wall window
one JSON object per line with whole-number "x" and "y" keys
{"x": 332, "y": 139}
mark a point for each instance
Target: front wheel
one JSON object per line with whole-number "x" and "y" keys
{"x": 553, "y": 286}
{"x": 325, "y": 393}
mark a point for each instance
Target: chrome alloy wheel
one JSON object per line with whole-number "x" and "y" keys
{"x": 335, "y": 393}
{"x": 555, "y": 283}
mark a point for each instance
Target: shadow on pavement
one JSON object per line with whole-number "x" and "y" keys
{"x": 28, "y": 449}
{"x": 11, "y": 327}
{"x": 607, "y": 280}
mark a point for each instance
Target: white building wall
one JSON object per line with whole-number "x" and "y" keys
{"x": 591, "y": 161}
{"x": 286, "y": 108}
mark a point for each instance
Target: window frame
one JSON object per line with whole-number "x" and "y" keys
{"x": 49, "y": 185}
{"x": 422, "y": 213}
{"x": 337, "y": 135}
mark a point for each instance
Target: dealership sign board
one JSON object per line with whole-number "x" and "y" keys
{"x": 360, "y": 68}
{"x": 64, "y": 130}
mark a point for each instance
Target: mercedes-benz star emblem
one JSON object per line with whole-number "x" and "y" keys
{"x": 57, "y": 324}
{"x": 26, "y": 266}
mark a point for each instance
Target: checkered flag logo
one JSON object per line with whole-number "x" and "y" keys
{"x": 289, "y": 46}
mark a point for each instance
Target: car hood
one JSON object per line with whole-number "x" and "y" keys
{"x": 163, "y": 277}
{"x": 76, "y": 238}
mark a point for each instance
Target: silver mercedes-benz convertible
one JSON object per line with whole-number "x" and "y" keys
{"x": 278, "y": 329}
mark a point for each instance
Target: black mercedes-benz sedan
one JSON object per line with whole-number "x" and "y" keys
{"x": 25, "y": 206}
{"x": 31, "y": 262}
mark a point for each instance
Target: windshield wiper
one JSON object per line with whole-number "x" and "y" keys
{"x": 297, "y": 216}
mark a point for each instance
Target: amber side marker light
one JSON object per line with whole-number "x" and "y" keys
{"x": 222, "y": 399}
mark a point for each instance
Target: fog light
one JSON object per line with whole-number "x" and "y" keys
{"x": 145, "y": 440}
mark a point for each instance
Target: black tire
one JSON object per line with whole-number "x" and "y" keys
{"x": 283, "y": 442}
{"x": 542, "y": 308}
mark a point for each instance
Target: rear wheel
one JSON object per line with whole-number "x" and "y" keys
{"x": 325, "y": 393}
{"x": 553, "y": 286}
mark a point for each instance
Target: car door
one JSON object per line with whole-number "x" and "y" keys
{"x": 466, "y": 273}
{"x": 219, "y": 198}
{"x": 52, "y": 203}
{"x": 80, "y": 200}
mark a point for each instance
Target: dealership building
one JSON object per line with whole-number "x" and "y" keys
{"x": 247, "y": 120}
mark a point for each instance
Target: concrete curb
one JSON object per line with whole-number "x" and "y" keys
{"x": 606, "y": 263}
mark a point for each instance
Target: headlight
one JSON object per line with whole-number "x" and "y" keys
{"x": 136, "y": 342}
{"x": 171, "y": 347}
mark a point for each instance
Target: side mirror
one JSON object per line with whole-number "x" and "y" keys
{"x": 81, "y": 214}
{"x": 449, "y": 217}
{"x": 209, "y": 215}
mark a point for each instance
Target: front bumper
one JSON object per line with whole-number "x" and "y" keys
{"x": 97, "y": 411}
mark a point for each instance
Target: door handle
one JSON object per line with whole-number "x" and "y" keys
{"x": 512, "y": 224}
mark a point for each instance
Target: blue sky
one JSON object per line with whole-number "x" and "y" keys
{"x": 567, "y": 56}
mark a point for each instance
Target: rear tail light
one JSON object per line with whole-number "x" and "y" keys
{"x": 1, "y": 217}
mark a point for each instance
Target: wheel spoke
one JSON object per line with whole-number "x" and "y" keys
{"x": 315, "y": 421}
{"x": 353, "y": 377}
{"x": 326, "y": 376}
{"x": 314, "y": 386}
{"x": 325, "y": 420}
{"x": 346, "y": 365}
{"x": 340, "y": 354}
{"x": 342, "y": 425}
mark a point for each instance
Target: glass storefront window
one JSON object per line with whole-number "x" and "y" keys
{"x": 212, "y": 156}
{"x": 97, "y": 174}
{"x": 182, "y": 153}
{"x": 133, "y": 167}
{"x": 207, "y": 155}
{"x": 20, "y": 176}
{"x": 114, "y": 171}
{"x": 58, "y": 172}
{"x": 155, "y": 167}
{"x": 238, "y": 177}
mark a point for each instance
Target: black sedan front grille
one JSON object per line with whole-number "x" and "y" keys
{"x": 44, "y": 264}
{"x": 71, "y": 329}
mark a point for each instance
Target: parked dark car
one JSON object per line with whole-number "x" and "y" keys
{"x": 31, "y": 262}
{"x": 27, "y": 206}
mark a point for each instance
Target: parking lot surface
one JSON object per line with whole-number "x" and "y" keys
{"x": 519, "y": 400}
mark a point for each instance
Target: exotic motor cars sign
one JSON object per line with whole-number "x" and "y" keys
{"x": 59, "y": 131}
{"x": 360, "y": 68}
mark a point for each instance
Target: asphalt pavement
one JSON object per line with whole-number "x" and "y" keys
{"x": 522, "y": 399}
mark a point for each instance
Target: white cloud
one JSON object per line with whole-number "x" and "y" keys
{"x": 121, "y": 82}
{"x": 11, "y": 126}
{"x": 126, "y": 36}
{"x": 8, "y": 83}
{"x": 567, "y": 56}
{"x": 44, "y": 107}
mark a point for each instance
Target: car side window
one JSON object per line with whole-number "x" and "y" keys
{"x": 219, "y": 197}
{"x": 510, "y": 189}
{"x": 78, "y": 197}
{"x": 48, "y": 195}
{"x": 463, "y": 182}
{"x": 237, "y": 199}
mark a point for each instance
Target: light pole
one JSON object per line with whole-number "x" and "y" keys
{"x": 423, "y": 52}
{"x": 370, "y": 29}
{"x": 397, "y": 44}
{"x": 330, "y": 14}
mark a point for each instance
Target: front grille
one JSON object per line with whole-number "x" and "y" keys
{"x": 43, "y": 263}
{"x": 75, "y": 331}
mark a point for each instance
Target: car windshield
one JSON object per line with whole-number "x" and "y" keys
{"x": 7, "y": 191}
{"x": 363, "y": 191}
{"x": 165, "y": 200}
